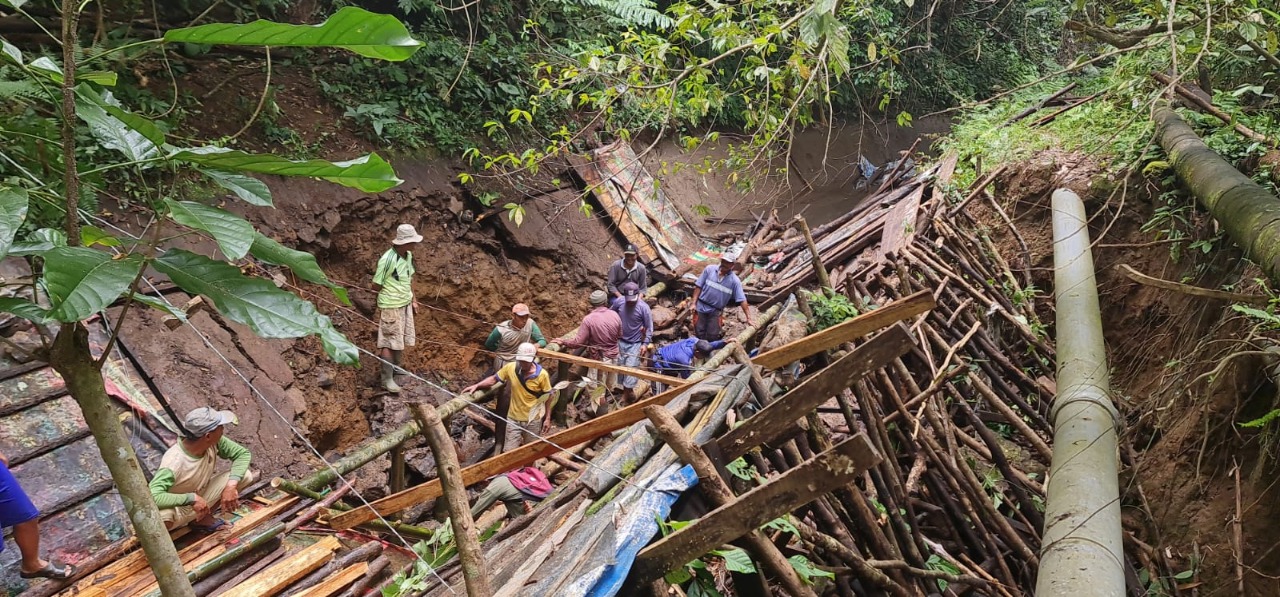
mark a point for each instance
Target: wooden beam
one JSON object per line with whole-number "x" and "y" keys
{"x": 594, "y": 364}
{"x": 337, "y": 582}
{"x": 857, "y": 327}
{"x": 774, "y": 421}
{"x": 287, "y": 571}
{"x": 506, "y": 461}
{"x": 790, "y": 490}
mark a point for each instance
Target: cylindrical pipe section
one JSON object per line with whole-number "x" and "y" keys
{"x": 1082, "y": 551}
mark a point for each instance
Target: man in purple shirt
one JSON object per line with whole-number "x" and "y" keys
{"x": 598, "y": 337}
{"x": 637, "y": 332}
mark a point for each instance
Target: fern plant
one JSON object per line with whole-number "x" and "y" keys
{"x": 630, "y": 13}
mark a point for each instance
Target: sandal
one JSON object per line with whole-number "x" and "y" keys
{"x": 218, "y": 523}
{"x": 51, "y": 571}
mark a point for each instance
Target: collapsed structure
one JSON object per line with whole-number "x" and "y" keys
{"x": 908, "y": 459}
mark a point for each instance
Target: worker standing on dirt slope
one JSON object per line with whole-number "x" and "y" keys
{"x": 530, "y": 387}
{"x": 627, "y": 269}
{"x": 185, "y": 488}
{"x": 514, "y": 488}
{"x": 637, "y": 332}
{"x": 507, "y": 336}
{"x": 393, "y": 279}
{"x": 17, "y": 511}
{"x": 715, "y": 289}
{"x": 598, "y": 338}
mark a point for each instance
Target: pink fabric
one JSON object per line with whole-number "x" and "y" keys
{"x": 530, "y": 481}
{"x": 599, "y": 334}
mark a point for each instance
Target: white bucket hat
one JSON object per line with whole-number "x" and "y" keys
{"x": 405, "y": 234}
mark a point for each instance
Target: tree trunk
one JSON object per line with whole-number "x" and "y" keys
{"x": 1250, "y": 215}
{"x": 71, "y": 358}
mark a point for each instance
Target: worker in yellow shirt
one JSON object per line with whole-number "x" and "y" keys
{"x": 530, "y": 388}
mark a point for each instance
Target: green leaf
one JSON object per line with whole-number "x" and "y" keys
{"x": 302, "y": 264}
{"x": 257, "y": 303}
{"x": 82, "y": 281}
{"x": 24, "y": 309}
{"x": 807, "y": 570}
{"x": 1265, "y": 316}
{"x": 161, "y": 305}
{"x": 110, "y": 131}
{"x": 234, "y": 235}
{"x": 13, "y": 211}
{"x": 103, "y": 78}
{"x": 92, "y": 235}
{"x": 11, "y": 50}
{"x": 369, "y": 173}
{"x": 108, "y": 103}
{"x": 13, "y": 3}
{"x": 39, "y": 242}
{"x": 738, "y": 561}
{"x": 248, "y": 188}
{"x": 46, "y": 67}
{"x": 368, "y": 34}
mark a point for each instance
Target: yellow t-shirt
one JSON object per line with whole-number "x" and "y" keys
{"x": 527, "y": 396}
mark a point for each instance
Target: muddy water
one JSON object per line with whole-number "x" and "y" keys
{"x": 818, "y": 181}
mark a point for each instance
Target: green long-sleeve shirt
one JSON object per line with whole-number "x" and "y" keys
{"x": 181, "y": 475}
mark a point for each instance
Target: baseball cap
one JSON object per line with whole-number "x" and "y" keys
{"x": 629, "y": 250}
{"x": 730, "y": 256}
{"x": 631, "y": 291}
{"x": 204, "y": 419}
{"x": 526, "y": 351}
{"x": 520, "y": 309}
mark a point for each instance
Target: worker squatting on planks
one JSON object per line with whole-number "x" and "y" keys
{"x": 185, "y": 487}
{"x": 393, "y": 279}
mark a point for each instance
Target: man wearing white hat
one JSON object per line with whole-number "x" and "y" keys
{"x": 185, "y": 488}
{"x": 530, "y": 387}
{"x": 393, "y": 279}
{"x": 717, "y": 288}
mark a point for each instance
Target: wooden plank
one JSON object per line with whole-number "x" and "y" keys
{"x": 594, "y": 364}
{"x": 337, "y": 582}
{"x": 774, "y": 421}
{"x": 123, "y": 569}
{"x": 848, "y": 331}
{"x": 287, "y": 571}
{"x": 504, "y": 462}
{"x": 834, "y": 468}
{"x": 900, "y": 224}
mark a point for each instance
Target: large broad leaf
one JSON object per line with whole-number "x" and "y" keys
{"x": 257, "y": 303}
{"x": 82, "y": 282}
{"x": 161, "y": 305}
{"x": 110, "y": 131}
{"x": 108, "y": 103}
{"x": 13, "y": 3}
{"x": 24, "y": 309}
{"x": 234, "y": 235}
{"x": 39, "y": 242}
{"x": 248, "y": 188}
{"x": 302, "y": 263}
{"x": 13, "y": 211}
{"x": 11, "y": 50}
{"x": 369, "y": 173}
{"x": 363, "y": 32}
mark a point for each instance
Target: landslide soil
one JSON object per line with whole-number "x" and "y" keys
{"x": 1181, "y": 441}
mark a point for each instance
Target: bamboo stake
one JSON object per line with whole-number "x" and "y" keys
{"x": 824, "y": 280}
{"x": 474, "y": 571}
{"x": 719, "y": 494}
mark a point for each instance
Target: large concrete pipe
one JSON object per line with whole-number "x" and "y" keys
{"x": 1082, "y": 551}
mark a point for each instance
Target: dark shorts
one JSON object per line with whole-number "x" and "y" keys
{"x": 708, "y": 326}
{"x": 15, "y": 507}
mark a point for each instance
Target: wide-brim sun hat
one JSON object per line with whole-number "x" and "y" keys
{"x": 406, "y": 234}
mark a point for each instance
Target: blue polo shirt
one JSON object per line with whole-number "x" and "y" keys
{"x": 718, "y": 291}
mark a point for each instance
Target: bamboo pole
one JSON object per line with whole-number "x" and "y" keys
{"x": 718, "y": 492}
{"x": 474, "y": 571}
{"x": 1083, "y": 548}
{"x": 824, "y": 279}
{"x": 388, "y": 526}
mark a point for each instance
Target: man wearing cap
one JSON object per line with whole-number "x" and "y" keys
{"x": 676, "y": 359}
{"x": 627, "y": 269}
{"x": 393, "y": 279}
{"x": 530, "y": 387}
{"x": 185, "y": 488}
{"x": 598, "y": 337}
{"x": 507, "y": 336}
{"x": 637, "y": 332}
{"x": 716, "y": 289}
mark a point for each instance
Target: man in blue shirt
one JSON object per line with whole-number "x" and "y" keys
{"x": 717, "y": 288}
{"x": 637, "y": 331}
{"x": 676, "y": 359}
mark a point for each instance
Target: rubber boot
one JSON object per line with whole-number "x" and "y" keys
{"x": 388, "y": 378}
{"x": 395, "y": 360}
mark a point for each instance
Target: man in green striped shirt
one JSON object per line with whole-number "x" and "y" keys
{"x": 393, "y": 279}
{"x": 185, "y": 488}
